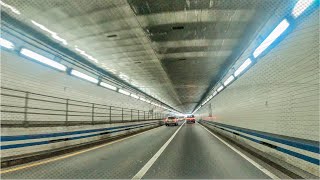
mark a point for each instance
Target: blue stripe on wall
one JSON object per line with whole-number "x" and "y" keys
{"x": 13, "y": 146}
{"x": 39, "y": 136}
{"x": 307, "y": 147}
{"x": 286, "y": 151}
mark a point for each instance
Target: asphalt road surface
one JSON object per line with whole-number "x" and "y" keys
{"x": 192, "y": 153}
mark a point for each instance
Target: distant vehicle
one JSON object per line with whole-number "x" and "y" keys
{"x": 171, "y": 121}
{"x": 191, "y": 119}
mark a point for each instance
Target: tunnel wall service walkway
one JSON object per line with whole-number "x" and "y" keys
{"x": 279, "y": 95}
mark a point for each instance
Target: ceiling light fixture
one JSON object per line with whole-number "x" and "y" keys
{"x": 229, "y": 80}
{"x": 53, "y": 34}
{"x": 103, "y": 84}
{"x": 5, "y": 43}
{"x": 123, "y": 92}
{"x": 134, "y": 96}
{"x": 42, "y": 59}
{"x": 284, "y": 24}
{"x": 83, "y": 76}
{"x": 220, "y": 88}
{"x": 13, "y": 9}
{"x": 87, "y": 55}
{"x": 243, "y": 66}
{"x": 214, "y": 93}
{"x": 300, "y": 7}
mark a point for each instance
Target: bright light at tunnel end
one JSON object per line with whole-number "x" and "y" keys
{"x": 300, "y": 7}
{"x": 42, "y": 59}
{"x": 284, "y": 24}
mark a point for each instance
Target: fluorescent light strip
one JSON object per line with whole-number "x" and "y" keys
{"x": 244, "y": 65}
{"x": 87, "y": 55}
{"x": 142, "y": 99}
{"x": 53, "y": 34}
{"x": 5, "y": 43}
{"x": 214, "y": 93}
{"x": 229, "y": 80}
{"x": 13, "y": 9}
{"x": 272, "y": 37}
{"x": 220, "y": 88}
{"x": 134, "y": 96}
{"x": 300, "y": 7}
{"x": 103, "y": 84}
{"x": 42, "y": 59}
{"x": 124, "y": 92}
{"x": 84, "y": 76}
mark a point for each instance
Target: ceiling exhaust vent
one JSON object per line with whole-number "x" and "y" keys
{"x": 182, "y": 59}
{"x": 177, "y": 27}
{"x": 112, "y": 36}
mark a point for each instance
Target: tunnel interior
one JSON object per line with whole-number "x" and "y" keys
{"x": 91, "y": 89}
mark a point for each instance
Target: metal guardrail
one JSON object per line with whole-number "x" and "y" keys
{"x": 23, "y": 107}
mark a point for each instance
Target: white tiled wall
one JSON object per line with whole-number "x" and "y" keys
{"x": 22, "y": 74}
{"x": 280, "y": 94}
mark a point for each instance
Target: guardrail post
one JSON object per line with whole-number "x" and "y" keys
{"x": 122, "y": 114}
{"x": 92, "y": 114}
{"x": 131, "y": 114}
{"x": 144, "y": 115}
{"x": 25, "y": 120}
{"x": 110, "y": 114}
{"x": 67, "y": 111}
{"x": 138, "y": 115}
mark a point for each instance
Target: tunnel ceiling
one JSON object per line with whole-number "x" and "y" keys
{"x": 173, "y": 50}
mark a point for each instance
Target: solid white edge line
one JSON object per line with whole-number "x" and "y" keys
{"x": 261, "y": 168}
{"x": 147, "y": 166}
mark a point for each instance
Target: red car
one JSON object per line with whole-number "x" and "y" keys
{"x": 191, "y": 119}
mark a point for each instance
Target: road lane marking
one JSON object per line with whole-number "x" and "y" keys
{"x": 69, "y": 155}
{"x": 261, "y": 168}
{"x": 148, "y": 165}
